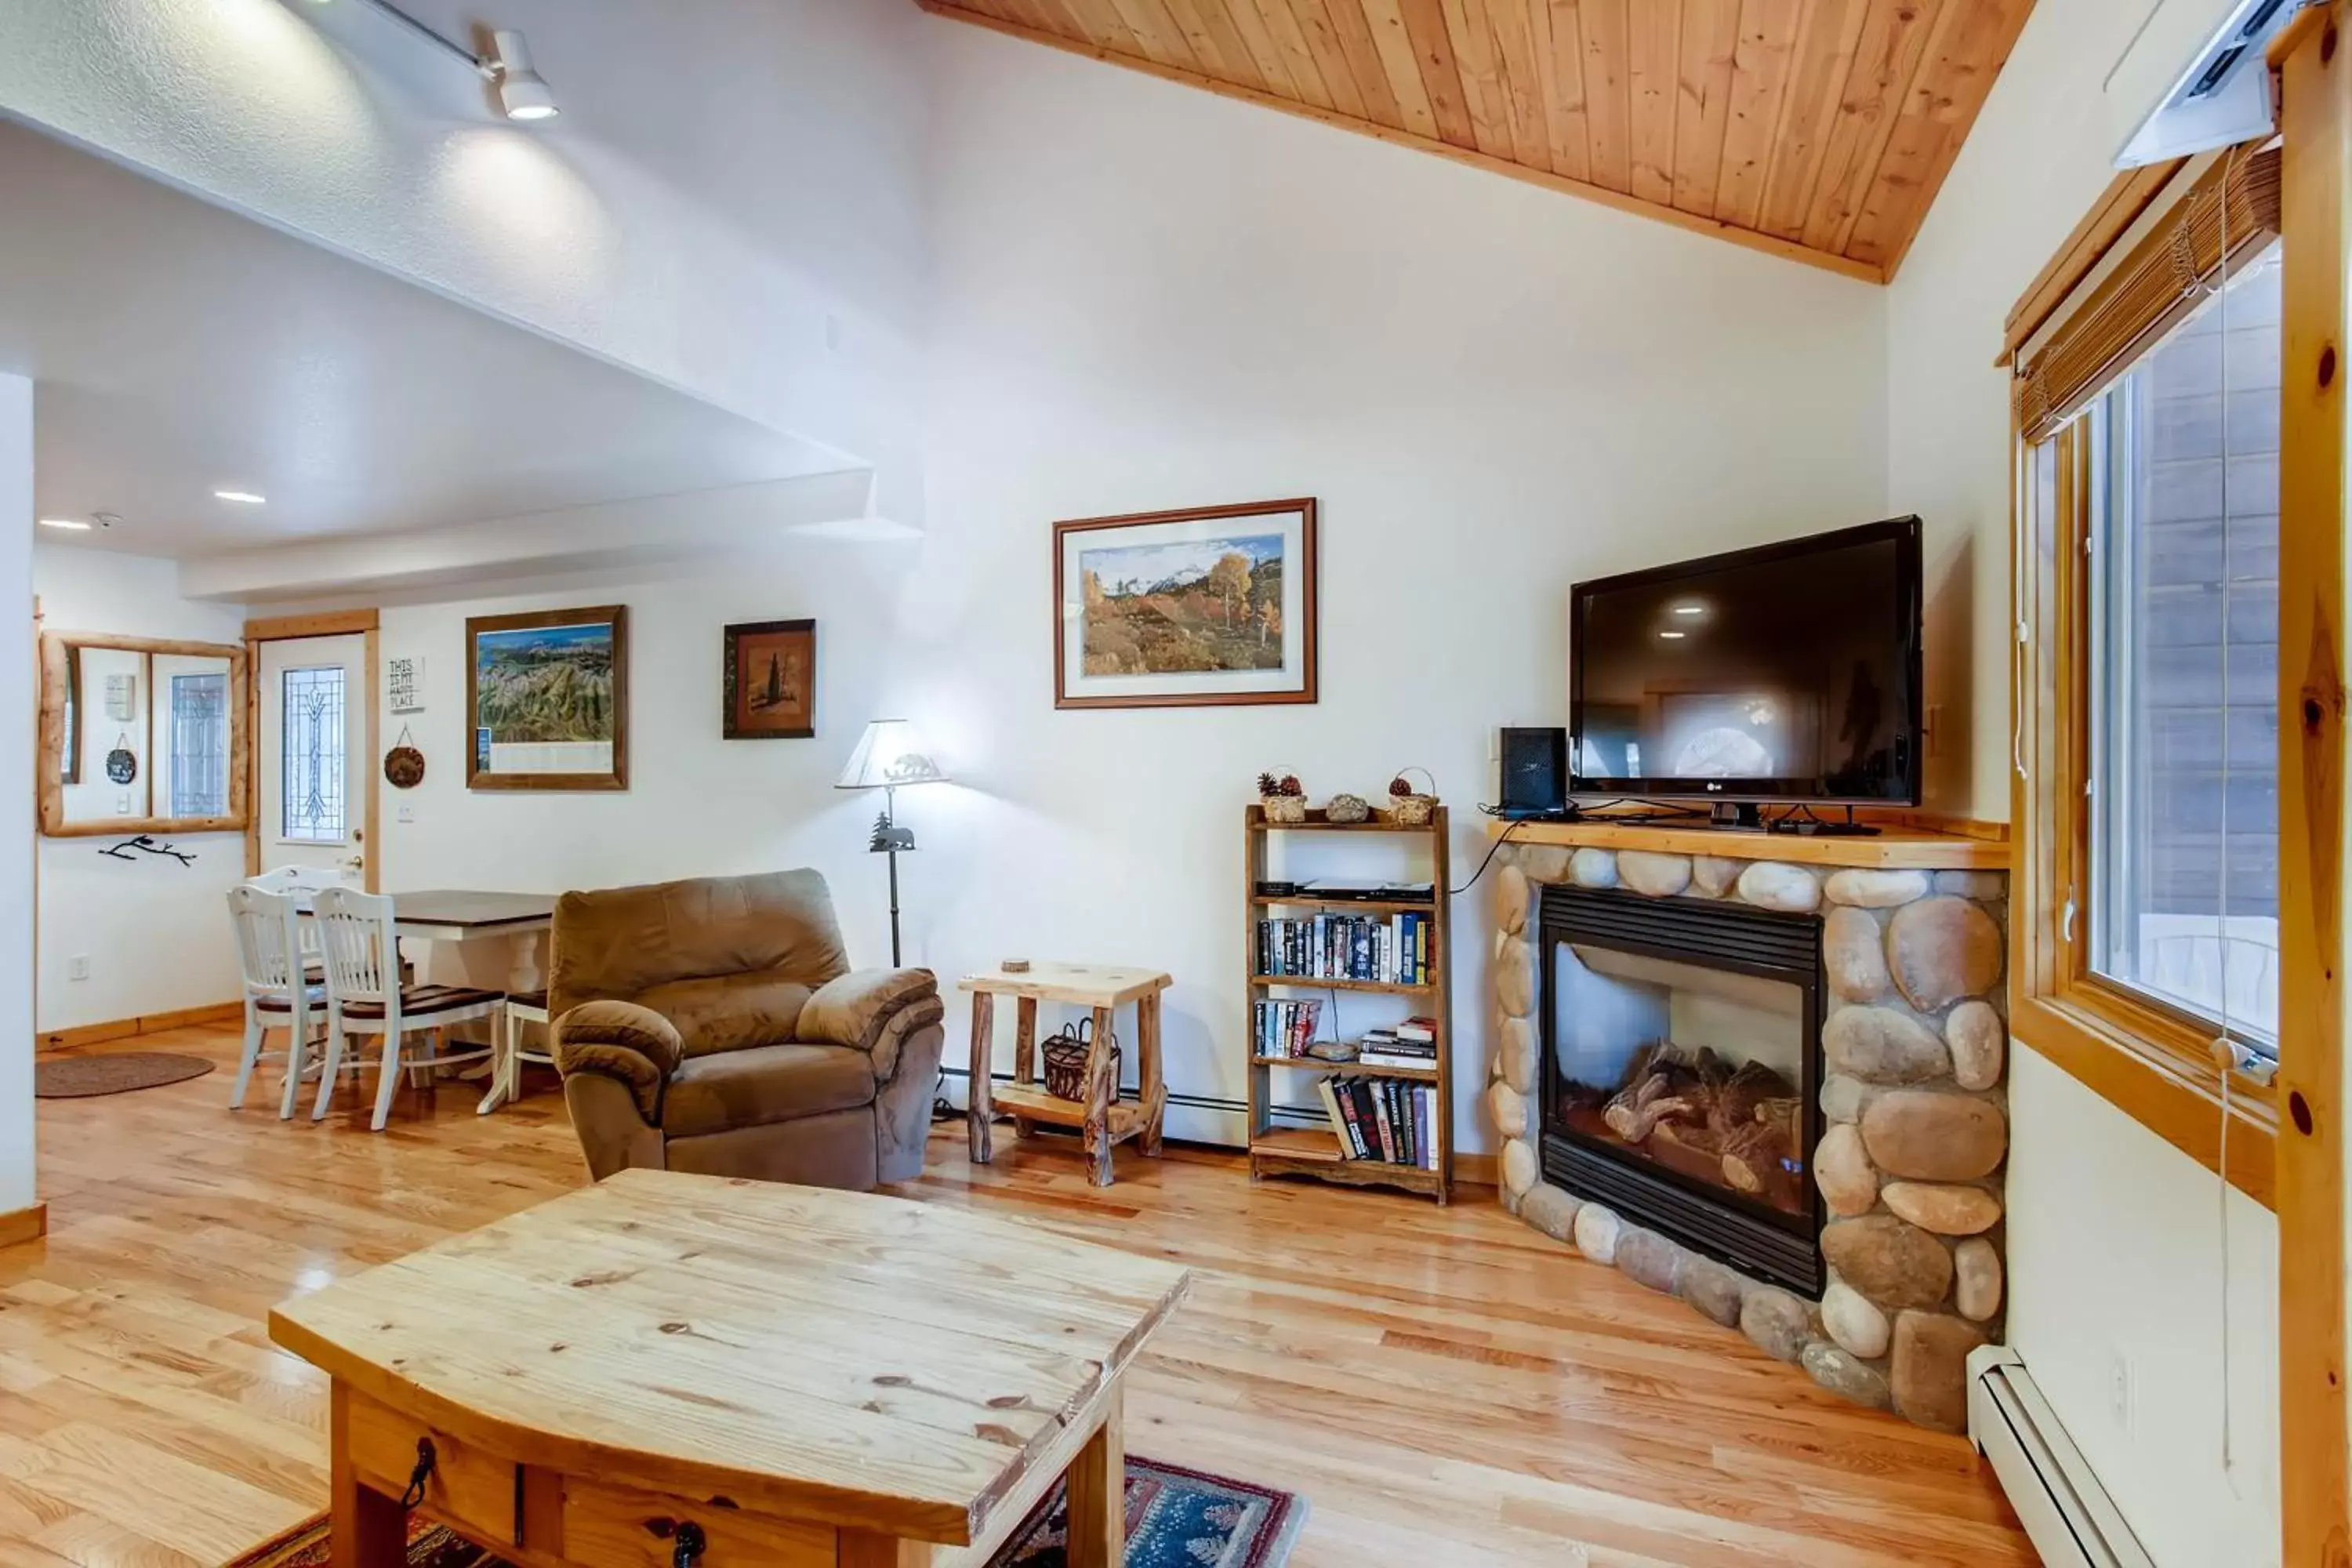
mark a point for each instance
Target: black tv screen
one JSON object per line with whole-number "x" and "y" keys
{"x": 1787, "y": 673}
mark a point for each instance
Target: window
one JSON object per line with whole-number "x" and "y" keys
{"x": 2183, "y": 545}
{"x": 313, "y": 794}
{"x": 199, "y": 748}
{"x": 2145, "y": 898}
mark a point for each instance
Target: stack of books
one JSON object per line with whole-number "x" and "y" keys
{"x": 1394, "y": 951}
{"x": 1384, "y": 1119}
{"x": 1283, "y": 1028}
{"x": 1412, "y": 1044}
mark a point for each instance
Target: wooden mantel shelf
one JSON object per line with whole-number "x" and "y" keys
{"x": 1892, "y": 849}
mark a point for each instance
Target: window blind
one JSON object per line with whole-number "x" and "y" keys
{"x": 2166, "y": 274}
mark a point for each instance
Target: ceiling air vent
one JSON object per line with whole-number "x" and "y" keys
{"x": 2193, "y": 78}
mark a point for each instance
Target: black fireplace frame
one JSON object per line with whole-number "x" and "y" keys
{"x": 1730, "y": 1226}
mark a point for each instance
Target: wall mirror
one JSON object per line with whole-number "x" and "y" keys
{"x": 141, "y": 735}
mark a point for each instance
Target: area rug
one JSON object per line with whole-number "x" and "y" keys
{"x": 119, "y": 1072}
{"x": 1176, "y": 1518}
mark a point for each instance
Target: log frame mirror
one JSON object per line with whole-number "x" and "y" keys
{"x": 205, "y": 719}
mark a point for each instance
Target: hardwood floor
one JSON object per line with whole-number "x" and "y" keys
{"x": 1445, "y": 1386}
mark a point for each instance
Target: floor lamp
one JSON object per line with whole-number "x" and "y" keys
{"x": 889, "y": 756}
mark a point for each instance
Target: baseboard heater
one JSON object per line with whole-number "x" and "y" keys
{"x": 2067, "y": 1514}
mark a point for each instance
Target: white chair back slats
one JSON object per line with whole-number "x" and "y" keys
{"x": 356, "y": 941}
{"x": 267, "y": 940}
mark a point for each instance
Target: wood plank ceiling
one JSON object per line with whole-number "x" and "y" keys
{"x": 1818, "y": 130}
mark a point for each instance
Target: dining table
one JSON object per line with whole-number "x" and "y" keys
{"x": 463, "y": 916}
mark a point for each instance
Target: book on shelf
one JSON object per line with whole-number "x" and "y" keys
{"x": 1381, "y": 1120}
{"x": 1392, "y": 950}
{"x": 1285, "y": 1028}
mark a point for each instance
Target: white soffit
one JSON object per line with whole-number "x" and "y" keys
{"x": 178, "y": 349}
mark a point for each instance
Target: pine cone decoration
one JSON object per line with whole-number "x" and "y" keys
{"x": 1290, "y": 784}
{"x": 1266, "y": 784}
{"x": 1399, "y": 786}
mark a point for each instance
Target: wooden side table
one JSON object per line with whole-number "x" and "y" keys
{"x": 1105, "y": 1119}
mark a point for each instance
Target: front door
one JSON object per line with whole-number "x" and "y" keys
{"x": 313, "y": 746}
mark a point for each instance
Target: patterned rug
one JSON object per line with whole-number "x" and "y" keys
{"x": 1176, "y": 1518}
{"x": 119, "y": 1072}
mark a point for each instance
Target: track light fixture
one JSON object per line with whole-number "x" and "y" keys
{"x": 523, "y": 93}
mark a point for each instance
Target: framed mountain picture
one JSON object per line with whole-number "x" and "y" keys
{"x": 1171, "y": 609}
{"x": 770, "y": 690}
{"x": 547, "y": 700}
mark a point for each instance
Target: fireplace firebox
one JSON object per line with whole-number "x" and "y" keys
{"x": 1682, "y": 1044}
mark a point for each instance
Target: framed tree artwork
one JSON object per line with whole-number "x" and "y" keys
{"x": 547, "y": 700}
{"x": 1173, "y": 609}
{"x": 769, "y": 682}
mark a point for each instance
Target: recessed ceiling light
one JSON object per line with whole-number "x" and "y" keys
{"x": 1690, "y": 609}
{"x": 75, "y": 524}
{"x": 242, "y": 498}
{"x": 1674, "y": 636}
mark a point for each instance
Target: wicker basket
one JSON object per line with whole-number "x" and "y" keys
{"x": 1413, "y": 810}
{"x": 1064, "y": 1057}
{"x": 1289, "y": 809}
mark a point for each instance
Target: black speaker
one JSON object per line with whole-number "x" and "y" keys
{"x": 1534, "y": 772}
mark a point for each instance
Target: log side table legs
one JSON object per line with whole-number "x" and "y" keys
{"x": 982, "y": 1083}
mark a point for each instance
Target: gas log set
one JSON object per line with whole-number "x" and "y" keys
{"x": 1735, "y": 1124}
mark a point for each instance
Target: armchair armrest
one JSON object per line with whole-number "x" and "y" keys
{"x": 620, "y": 1040}
{"x": 874, "y": 1011}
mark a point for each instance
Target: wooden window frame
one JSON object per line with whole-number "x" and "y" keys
{"x": 2152, "y": 1061}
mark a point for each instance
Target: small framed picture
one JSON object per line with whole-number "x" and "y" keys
{"x": 769, "y": 684}
{"x": 547, "y": 695}
{"x": 1170, "y": 609}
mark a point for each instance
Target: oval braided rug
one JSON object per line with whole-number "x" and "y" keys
{"x": 79, "y": 1078}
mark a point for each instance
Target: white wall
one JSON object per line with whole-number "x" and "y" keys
{"x": 16, "y": 1187}
{"x": 1148, "y": 296}
{"x": 763, "y": 156}
{"x": 2115, "y": 1243}
{"x": 697, "y": 804}
{"x": 155, "y": 933}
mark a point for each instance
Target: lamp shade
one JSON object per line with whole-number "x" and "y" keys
{"x": 890, "y": 754}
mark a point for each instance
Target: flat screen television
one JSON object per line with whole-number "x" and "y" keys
{"x": 1785, "y": 674}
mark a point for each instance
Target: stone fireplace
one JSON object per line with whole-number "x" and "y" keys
{"x": 1776, "y": 1091}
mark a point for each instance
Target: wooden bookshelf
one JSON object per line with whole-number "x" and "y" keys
{"x": 1282, "y": 1150}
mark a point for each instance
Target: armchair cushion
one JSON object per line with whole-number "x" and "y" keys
{"x": 730, "y": 1012}
{"x": 620, "y": 1040}
{"x": 750, "y": 1087}
{"x": 853, "y": 1009}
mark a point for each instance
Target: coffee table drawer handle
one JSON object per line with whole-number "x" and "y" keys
{"x": 690, "y": 1546}
{"x": 426, "y": 1459}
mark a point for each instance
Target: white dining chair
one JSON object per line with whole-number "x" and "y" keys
{"x": 364, "y": 997}
{"x": 277, "y": 995}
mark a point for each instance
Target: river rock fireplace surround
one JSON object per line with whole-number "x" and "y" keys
{"x": 1777, "y": 1091}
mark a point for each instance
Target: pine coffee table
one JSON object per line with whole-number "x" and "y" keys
{"x": 667, "y": 1370}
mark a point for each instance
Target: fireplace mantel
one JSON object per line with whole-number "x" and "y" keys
{"x": 1892, "y": 849}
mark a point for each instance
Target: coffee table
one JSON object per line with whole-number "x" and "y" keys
{"x": 668, "y": 1369}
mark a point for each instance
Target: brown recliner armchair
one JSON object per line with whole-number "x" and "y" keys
{"x": 715, "y": 1026}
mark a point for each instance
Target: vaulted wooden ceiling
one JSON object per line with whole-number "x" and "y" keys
{"x": 1819, "y": 129}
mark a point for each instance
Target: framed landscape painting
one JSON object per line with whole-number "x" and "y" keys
{"x": 1173, "y": 609}
{"x": 547, "y": 700}
{"x": 769, "y": 684}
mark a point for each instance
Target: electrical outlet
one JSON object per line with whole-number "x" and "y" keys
{"x": 122, "y": 803}
{"x": 2119, "y": 1389}
{"x": 78, "y": 966}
